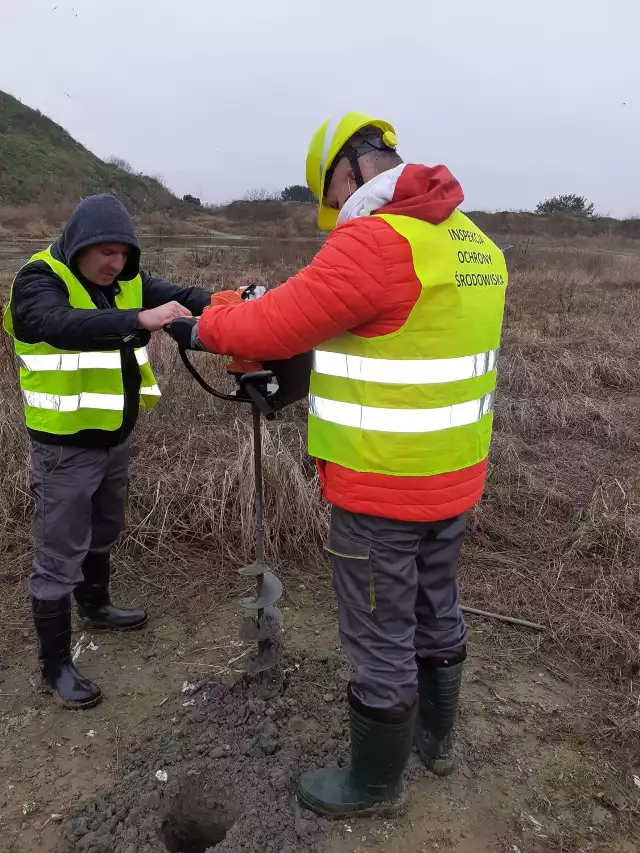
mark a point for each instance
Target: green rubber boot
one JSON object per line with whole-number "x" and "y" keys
{"x": 438, "y": 695}
{"x": 372, "y": 782}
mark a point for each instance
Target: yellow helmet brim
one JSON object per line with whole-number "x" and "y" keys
{"x": 327, "y": 217}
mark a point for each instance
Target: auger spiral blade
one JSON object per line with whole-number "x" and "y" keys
{"x": 254, "y": 630}
{"x": 253, "y": 570}
{"x": 267, "y": 658}
{"x": 269, "y": 591}
{"x": 264, "y": 625}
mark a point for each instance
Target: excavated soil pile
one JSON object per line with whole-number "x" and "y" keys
{"x": 223, "y": 780}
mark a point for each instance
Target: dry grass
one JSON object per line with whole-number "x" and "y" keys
{"x": 194, "y": 486}
{"x": 556, "y": 538}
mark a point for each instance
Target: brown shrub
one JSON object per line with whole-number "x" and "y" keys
{"x": 565, "y": 226}
{"x": 33, "y": 220}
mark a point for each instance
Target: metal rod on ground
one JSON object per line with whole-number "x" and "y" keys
{"x": 510, "y": 619}
{"x": 259, "y": 495}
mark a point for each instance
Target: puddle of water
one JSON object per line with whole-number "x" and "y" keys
{"x": 14, "y": 253}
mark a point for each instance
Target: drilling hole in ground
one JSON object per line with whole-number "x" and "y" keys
{"x": 196, "y": 818}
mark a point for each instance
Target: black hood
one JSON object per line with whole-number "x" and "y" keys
{"x": 99, "y": 219}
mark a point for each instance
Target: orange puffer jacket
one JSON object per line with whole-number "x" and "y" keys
{"x": 362, "y": 280}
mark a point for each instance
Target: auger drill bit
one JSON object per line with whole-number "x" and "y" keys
{"x": 264, "y": 624}
{"x": 255, "y": 386}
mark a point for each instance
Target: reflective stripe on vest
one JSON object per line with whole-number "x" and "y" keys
{"x": 73, "y": 402}
{"x": 401, "y": 420}
{"x": 418, "y": 401}
{"x": 85, "y": 400}
{"x": 404, "y": 371}
{"x": 65, "y": 392}
{"x": 79, "y": 360}
{"x": 150, "y": 391}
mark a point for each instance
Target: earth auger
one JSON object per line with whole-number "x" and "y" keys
{"x": 267, "y": 388}
{"x": 264, "y": 625}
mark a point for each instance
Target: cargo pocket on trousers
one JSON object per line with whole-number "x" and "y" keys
{"x": 353, "y": 578}
{"x": 45, "y": 458}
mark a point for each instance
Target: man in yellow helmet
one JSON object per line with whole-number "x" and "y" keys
{"x": 403, "y": 307}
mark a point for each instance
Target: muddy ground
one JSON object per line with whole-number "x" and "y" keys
{"x": 94, "y": 782}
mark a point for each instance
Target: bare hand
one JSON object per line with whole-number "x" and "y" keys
{"x": 154, "y": 319}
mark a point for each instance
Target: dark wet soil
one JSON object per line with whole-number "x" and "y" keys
{"x": 224, "y": 778}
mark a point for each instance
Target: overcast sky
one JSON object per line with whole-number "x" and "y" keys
{"x": 521, "y": 100}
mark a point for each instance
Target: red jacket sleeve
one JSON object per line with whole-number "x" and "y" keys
{"x": 342, "y": 288}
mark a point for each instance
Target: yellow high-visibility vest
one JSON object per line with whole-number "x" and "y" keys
{"x": 418, "y": 401}
{"x": 64, "y": 391}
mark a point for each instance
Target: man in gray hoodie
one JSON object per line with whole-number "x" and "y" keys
{"x": 81, "y": 313}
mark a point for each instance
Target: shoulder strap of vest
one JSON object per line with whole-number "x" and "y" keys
{"x": 78, "y": 294}
{"x": 60, "y": 269}
{"x": 130, "y": 295}
{"x": 44, "y": 255}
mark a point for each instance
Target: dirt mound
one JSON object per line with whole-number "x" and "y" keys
{"x": 224, "y": 777}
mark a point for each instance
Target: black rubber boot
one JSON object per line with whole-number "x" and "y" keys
{"x": 381, "y": 744}
{"x": 53, "y": 629}
{"x": 438, "y": 694}
{"x": 94, "y": 603}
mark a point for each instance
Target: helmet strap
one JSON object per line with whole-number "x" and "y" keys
{"x": 354, "y": 162}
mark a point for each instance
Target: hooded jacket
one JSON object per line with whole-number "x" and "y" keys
{"x": 41, "y": 310}
{"x": 362, "y": 280}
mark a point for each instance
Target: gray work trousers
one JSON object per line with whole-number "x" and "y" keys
{"x": 80, "y": 495}
{"x": 397, "y": 598}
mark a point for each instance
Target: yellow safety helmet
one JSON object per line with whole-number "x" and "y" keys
{"x": 327, "y": 142}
